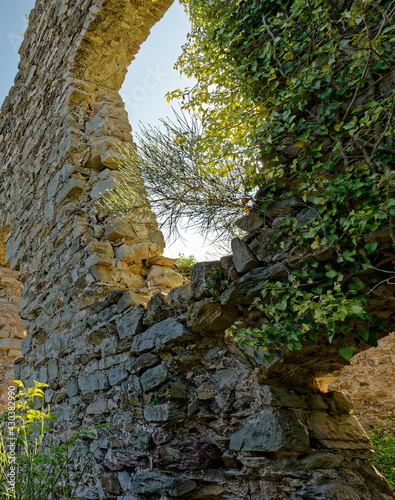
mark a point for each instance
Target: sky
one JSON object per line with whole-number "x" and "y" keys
{"x": 150, "y": 76}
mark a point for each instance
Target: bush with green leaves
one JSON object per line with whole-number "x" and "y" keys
{"x": 184, "y": 263}
{"x": 30, "y": 467}
{"x": 383, "y": 440}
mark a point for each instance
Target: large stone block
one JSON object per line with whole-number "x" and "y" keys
{"x": 201, "y": 278}
{"x": 131, "y": 322}
{"x": 274, "y": 430}
{"x": 93, "y": 382}
{"x": 243, "y": 259}
{"x": 164, "y": 277}
{"x": 154, "y": 378}
{"x": 342, "y": 432}
{"x": 168, "y": 332}
{"x": 206, "y": 316}
{"x": 152, "y": 482}
{"x": 163, "y": 413}
{"x": 249, "y": 286}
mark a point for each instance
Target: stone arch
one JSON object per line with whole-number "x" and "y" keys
{"x": 194, "y": 416}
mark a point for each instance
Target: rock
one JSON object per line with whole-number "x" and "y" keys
{"x": 266, "y": 249}
{"x": 145, "y": 361}
{"x": 111, "y": 484}
{"x": 250, "y": 222}
{"x": 165, "y": 277}
{"x": 207, "y": 492}
{"x": 53, "y": 369}
{"x": 133, "y": 254}
{"x": 342, "y": 402}
{"x": 180, "y": 297}
{"x": 280, "y": 396}
{"x": 224, "y": 377}
{"x": 7, "y": 344}
{"x": 188, "y": 455}
{"x": 322, "y": 461}
{"x": 206, "y": 316}
{"x": 152, "y": 482}
{"x": 154, "y": 378}
{"x": 274, "y": 430}
{"x": 163, "y": 413}
{"x": 328, "y": 491}
{"x": 304, "y": 253}
{"x": 161, "y": 261}
{"x": 131, "y": 323}
{"x": 256, "y": 462}
{"x": 342, "y": 432}
{"x": 168, "y": 332}
{"x": 124, "y": 481}
{"x": 117, "y": 374}
{"x": 72, "y": 388}
{"x": 201, "y": 278}
{"x": 94, "y": 382}
{"x": 118, "y": 460}
{"x": 249, "y": 286}
{"x": 72, "y": 189}
{"x": 283, "y": 207}
{"x": 226, "y": 263}
{"x": 97, "y": 408}
{"x": 157, "y": 310}
{"x": 141, "y": 440}
{"x": 306, "y": 216}
{"x": 118, "y": 228}
{"x": 130, "y": 299}
{"x": 243, "y": 259}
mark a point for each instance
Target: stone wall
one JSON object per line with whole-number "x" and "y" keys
{"x": 193, "y": 415}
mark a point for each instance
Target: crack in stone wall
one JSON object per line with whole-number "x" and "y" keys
{"x": 193, "y": 415}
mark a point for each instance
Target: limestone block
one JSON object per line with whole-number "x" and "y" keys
{"x": 7, "y": 344}
{"x": 243, "y": 259}
{"x": 168, "y": 332}
{"x": 201, "y": 278}
{"x": 130, "y": 299}
{"x": 280, "y": 396}
{"x": 284, "y": 207}
{"x": 14, "y": 354}
{"x": 103, "y": 274}
{"x": 274, "y": 430}
{"x": 71, "y": 189}
{"x": 164, "y": 277}
{"x": 154, "y": 378}
{"x": 117, "y": 374}
{"x": 118, "y": 228}
{"x": 130, "y": 323}
{"x": 157, "y": 310}
{"x": 103, "y": 185}
{"x": 53, "y": 369}
{"x": 94, "y": 382}
{"x": 161, "y": 261}
{"x": 162, "y": 413}
{"x": 180, "y": 297}
{"x": 207, "y": 316}
{"x": 97, "y": 408}
{"x": 266, "y": 249}
{"x": 249, "y": 286}
{"x": 250, "y": 222}
{"x": 152, "y": 482}
{"x": 342, "y": 432}
{"x": 133, "y": 254}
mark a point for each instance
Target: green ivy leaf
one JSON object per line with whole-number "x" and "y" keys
{"x": 346, "y": 352}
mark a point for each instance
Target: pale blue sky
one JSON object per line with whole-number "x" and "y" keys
{"x": 150, "y": 77}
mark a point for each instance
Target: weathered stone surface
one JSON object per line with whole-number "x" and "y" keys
{"x": 168, "y": 332}
{"x": 250, "y": 222}
{"x": 188, "y": 455}
{"x": 201, "y": 278}
{"x": 205, "y": 316}
{"x": 118, "y": 228}
{"x": 94, "y": 382}
{"x": 163, "y": 413}
{"x": 131, "y": 323}
{"x": 145, "y": 361}
{"x": 273, "y": 431}
{"x": 249, "y": 286}
{"x": 280, "y": 396}
{"x": 154, "y": 378}
{"x": 141, "y": 440}
{"x": 117, "y": 374}
{"x": 343, "y": 432}
{"x": 157, "y": 310}
{"x": 125, "y": 459}
{"x": 322, "y": 461}
{"x": 164, "y": 277}
{"x": 180, "y": 297}
{"x": 133, "y": 254}
{"x": 243, "y": 259}
{"x": 151, "y": 482}
{"x": 266, "y": 249}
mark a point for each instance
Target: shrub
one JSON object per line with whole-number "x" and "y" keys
{"x": 383, "y": 440}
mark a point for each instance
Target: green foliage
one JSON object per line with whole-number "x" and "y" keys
{"x": 218, "y": 280}
{"x": 40, "y": 471}
{"x": 299, "y": 96}
{"x": 383, "y": 440}
{"x": 184, "y": 263}
{"x": 299, "y": 311}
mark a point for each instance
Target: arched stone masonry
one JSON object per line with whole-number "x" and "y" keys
{"x": 194, "y": 416}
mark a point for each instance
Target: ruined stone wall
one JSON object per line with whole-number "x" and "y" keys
{"x": 193, "y": 415}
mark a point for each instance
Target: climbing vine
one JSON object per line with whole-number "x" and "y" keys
{"x": 301, "y": 94}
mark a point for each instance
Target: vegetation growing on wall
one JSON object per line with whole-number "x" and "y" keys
{"x": 296, "y": 98}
